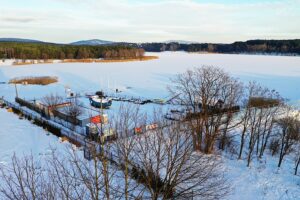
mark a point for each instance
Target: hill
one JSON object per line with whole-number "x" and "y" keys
{"x": 93, "y": 42}
{"x": 20, "y": 40}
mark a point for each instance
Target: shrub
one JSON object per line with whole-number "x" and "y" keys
{"x": 274, "y": 146}
{"x": 40, "y": 80}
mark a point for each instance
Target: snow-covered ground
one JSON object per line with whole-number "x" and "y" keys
{"x": 23, "y": 138}
{"x": 262, "y": 180}
{"x": 149, "y": 79}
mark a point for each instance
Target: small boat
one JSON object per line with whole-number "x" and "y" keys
{"x": 96, "y": 101}
{"x": 158, "y": 101}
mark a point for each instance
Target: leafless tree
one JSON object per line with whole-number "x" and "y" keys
{"x": 158, "y": 163}
{"x": 51, "y": 101}
{"x": 164, "y": 160}
{"x": 289, "y": 133}
{"x": 233, "y": 97}
{"x": 297, "y": 157}
{"x": 210, "y": 94}
{"x": 267, "y": 130}
{"x": 94, "y": 175}
{"x": 24, "y": 179}
{"x": 73, "y": 111}
{"x": 245, "y": 115}
{"x": 260, "y": 108}
{"x": 129, "y": 119}
{"x": 61, "y": 175}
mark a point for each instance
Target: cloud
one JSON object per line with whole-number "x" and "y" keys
{"x": 132, "y": 20}
{"x": 18, "y": 19}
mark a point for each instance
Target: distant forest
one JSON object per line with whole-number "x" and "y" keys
{"x": 288, "y": 47}
{"x": 19, "y": 50}
{"x": 24, "y": 50}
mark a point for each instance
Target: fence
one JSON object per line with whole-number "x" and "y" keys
{"x": 48, "y": 123}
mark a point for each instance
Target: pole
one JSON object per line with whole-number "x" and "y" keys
{"x": 101, "y": 111}
{"x": 16, "y": 90}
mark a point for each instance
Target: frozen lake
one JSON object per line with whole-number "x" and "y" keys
{"x": 150, "y": 78}
{"x": 146, "y": 79}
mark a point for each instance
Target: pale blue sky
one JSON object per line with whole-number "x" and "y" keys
{"x": 150, "y": 20}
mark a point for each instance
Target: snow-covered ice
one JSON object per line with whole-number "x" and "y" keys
{"x": 149, "y": 79}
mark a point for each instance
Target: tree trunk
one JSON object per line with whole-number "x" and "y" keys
{"x": 265, "y": 142}
{"x": 251, "y": 148}
{"x": 126, "y": 179}
{"x": 249, "y": 158}
{"x": 209, "y": 146}
{"x": 195, "y": 141}
{"x": 257, "y": 143}
{"x": 297, "y": 165}
{"x": 242, "y": 143}
{"x": 281, "y": 155}
{"x": 199, "y": 139}
{"x": 280, "y": 161}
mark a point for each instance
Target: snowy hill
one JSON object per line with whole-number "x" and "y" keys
{"x": 180, "y": 42}
{"x": 93, "y": 42}
{"x": 20, "y": 40}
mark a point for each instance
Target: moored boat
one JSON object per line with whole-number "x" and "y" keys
{"x": 96, "y": 101}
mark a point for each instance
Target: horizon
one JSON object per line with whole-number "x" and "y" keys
{"x": 167, "y": 41}
{"x": 217, "y": 21}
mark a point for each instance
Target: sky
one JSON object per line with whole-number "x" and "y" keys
{"x": 217, "y": 21}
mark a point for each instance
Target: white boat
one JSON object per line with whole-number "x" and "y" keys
{"x": 97, "y": 101}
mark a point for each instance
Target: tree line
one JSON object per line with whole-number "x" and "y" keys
{"x": 15, "y": 50}
{"x": 24, "y": 50}
{"x": 252, "y": 46}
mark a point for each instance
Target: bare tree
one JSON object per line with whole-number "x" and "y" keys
{"x": 210, "y": 95}
{"x": 129, "y": 119}
{"x": 267, "y": 130}
{"x": 68, "y": 184}
{"x": 24, "y": 179}
{"x": 233, "y": 97}
{"x": 158, "y": 163}
{"x": 289, "y": 133}
{"x": 297, "y": 158}
{"x": 73, "y": 111}
{"x": 61, "y": 175}
{"x": 52, "y": 101}
{"x": 260, "y": 108}
{"x": 164, "y": 160}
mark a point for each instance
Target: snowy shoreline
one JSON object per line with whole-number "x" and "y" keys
{"x": 20, "y": 62}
